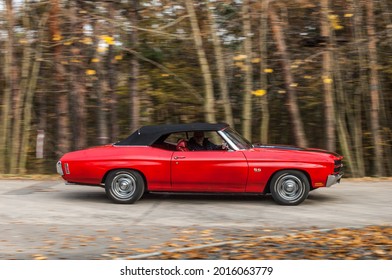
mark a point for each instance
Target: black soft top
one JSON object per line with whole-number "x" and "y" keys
{"x": 148, "y": 135}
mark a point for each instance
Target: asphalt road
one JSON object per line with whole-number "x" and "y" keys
{"x": 51, "y": 220}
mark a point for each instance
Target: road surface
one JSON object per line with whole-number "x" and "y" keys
{"x": 51, "y": 220}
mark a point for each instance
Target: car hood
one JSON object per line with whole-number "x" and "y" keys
{"x": 290, "y": 153}
{"x": 295, "y": 148}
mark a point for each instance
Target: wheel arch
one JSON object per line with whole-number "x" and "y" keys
{"x": 131, "y": 169}
{"x": 267, "y": 188}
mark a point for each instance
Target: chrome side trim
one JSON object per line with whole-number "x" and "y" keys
{"x": 333, "y": 179}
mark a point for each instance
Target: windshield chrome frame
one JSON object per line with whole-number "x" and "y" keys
{"x": 229, "y": 141}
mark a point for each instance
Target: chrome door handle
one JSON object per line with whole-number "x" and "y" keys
{"x": 179, "y": 157}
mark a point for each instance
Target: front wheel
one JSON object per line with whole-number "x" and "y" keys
{"x": 289, "y": 187}
{"x": 124, "y": 186}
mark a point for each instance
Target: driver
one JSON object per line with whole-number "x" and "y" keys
{"x": 199, "y": 143}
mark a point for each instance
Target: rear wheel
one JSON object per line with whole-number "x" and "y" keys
{"x": 124, "y": 186}
{"x": 289, "y": 187}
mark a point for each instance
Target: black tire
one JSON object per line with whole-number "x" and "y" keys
{"x": 124, "y": 186}
{"x": 289, "y": 187}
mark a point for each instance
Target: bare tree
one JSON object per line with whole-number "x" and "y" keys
{"x": 209, "y": 100}
{"x": 327, "y": 76}
{"x": 265, "y": 114}
{"x": 30, "y": 89}
{"x": 112, "y": 79}
{"x": 8, "y": 90}
{"x": 374, "y": 90}
{"x": 63, "y": 131}
{"x": 361, "y": 91}
{"x": 13, "y": 82}
{"x": 78, "y": 83}
{"x": 134, "y": 77}
{"x": 292, "y": 102}
{"x": 247, "y": 98}
{"x": 220, "y": 63}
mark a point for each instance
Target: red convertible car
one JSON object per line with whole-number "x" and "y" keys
{"x": 200, "y": 157}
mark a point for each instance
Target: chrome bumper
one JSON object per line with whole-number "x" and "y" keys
{"x": 59, "y": 168}
{"x": 333, "y": 179}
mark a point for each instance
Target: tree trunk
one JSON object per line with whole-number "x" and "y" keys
{"x": 292, "y": 104}
{"x": 78, "y": 83}
{"x": 114, "y": 130}
{"x": 63, "y": 131}
{"x": 361, "y": 90}
{"x": 265, "y": 115}
{"x": 8, "y": 90}
{"x": 247, "y": 99}
{"x": 30, "y": 91}
{"x": 101, "y": 107}
{"x": 13, "y": 81}
{"x": 341, "y": 109}
{"x": 135, "y": 98}
{"x": 374, "y": 91}
{"x": 220, "y": 66}
{"x": 101, "y": 89}
{"x": 209, "y": 100}
{"x": 329, "y": 106}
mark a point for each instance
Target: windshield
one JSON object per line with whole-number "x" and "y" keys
{"x": 237, "y": 139}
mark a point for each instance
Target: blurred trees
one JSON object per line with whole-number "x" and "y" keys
{"x": 81, "y": 73}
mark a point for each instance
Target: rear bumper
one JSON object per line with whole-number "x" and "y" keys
{"x": 333, "y": 179}
{"x": 59, "y": 168}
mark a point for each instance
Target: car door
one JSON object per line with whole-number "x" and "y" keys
{"x": 209, "y": 171}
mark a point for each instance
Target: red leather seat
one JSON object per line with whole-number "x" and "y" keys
{"x": 182, "y": 145}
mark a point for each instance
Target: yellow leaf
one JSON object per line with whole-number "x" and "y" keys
{"x": 327, "y": 81}
{"x": 165, "y": 75}
{"x": 108, "y": 39}
{"x": 294, "y": 85}
{"x": 240, "y": 57}
{"x": 39, "y": 257}
{"x": 57, "y": 37}
{"x": 268, "y": 70}
{"x": 90, "y": 72}
{"x": 67, "y": 43}
{"x": 87, "y": 41}
{"x": 101, "y": 49}
{"x": 118, "y": 57}
{"x": 256, "y": 60}
{"x": 335, "y": 22}
{"x": 348, "y": 15}
{"x": 338, "y": 27}
{"x": 239, "y": 64}
{"x": 75, "y": 60}
{"x": 259, "y": 92}
{"x": 95, "y": 60}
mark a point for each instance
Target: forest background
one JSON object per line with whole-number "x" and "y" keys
{"x": 77, "y": 73}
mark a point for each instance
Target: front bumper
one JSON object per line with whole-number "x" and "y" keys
{"x": 333, "y": 179}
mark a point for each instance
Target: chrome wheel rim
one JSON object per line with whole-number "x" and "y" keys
{"x": 123, "y": 186}
{"x": 290, "y": 187}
